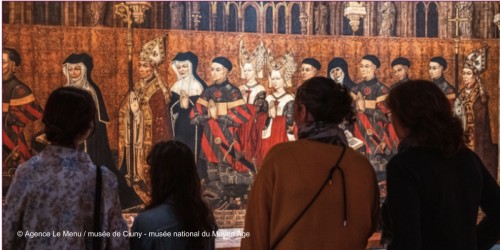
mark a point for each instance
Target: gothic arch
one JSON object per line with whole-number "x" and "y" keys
{"x": 205, "y": 16}
{"x": 294, "y": 22}
{"x": 269, "y": 23}
{"x": 288, "y": 15}
{"x": 258, "y": 14}
{"x": 426, "y": 18}
{"x": 220, "y": 16}
{"x": 280, "y": 28}
{"x": 233, "y": 17}
{"x": 433, "y": 20}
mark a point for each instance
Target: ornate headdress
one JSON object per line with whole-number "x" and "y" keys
{"x": 285, "y": 64}
{"x": 477, "y": 60}
{"x": 154, "y": 51}
{"x": 257, "y": 58}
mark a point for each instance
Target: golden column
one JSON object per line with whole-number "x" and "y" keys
{"x": 131, "y": 12}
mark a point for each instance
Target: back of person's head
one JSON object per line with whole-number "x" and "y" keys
{"x": 174, "y": 179}
{"x": 423, "y": 109}
{"x": 326, "y": 100}
{"x": 69, "y": 113}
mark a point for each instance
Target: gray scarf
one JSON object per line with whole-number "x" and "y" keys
{"x": 324, "y": 132}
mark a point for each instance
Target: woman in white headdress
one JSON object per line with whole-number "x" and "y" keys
{"x": 78, "y": 71}
{"x": 185, "y": 93}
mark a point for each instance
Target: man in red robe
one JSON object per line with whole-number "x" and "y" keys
{"x": 19, "y": 107}
{"x": 371, "y": 125}
{"x": 221, "y": 109}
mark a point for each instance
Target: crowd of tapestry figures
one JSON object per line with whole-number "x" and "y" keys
{"x": 230, "y": 129}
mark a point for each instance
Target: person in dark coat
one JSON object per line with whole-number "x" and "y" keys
{"x": 176, "y": 217}
{"x": 436, "y": 184}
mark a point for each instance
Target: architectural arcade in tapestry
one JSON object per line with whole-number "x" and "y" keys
{"x": 221, "y": 77}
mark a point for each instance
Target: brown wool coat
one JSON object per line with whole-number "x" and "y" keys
{"x": 291, "y": 175}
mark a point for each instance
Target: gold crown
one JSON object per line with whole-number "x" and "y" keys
{"x": 154, "y": 51}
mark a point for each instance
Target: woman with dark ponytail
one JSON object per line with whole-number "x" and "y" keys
{"x": 176, "y": 206}
{"x": 435, "y": 184}
{"x": 55, "y": 191}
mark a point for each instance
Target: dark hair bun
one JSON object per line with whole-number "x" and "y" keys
{"x": 326, "y": 100}
{"x": 68, "y": 114}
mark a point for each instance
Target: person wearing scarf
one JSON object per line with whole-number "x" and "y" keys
{"x": 314, "y": 182}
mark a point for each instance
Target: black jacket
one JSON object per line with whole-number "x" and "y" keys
{"x": 432, "y": 203}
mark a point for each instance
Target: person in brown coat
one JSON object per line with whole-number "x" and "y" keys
{"x": 316, "y": 192}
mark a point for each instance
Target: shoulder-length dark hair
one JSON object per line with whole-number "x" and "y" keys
{"x": 326, "y": 100}
{"x": 174, "y": 179}
{"x": 426, "y": 112}
{"x": 69, "y": 113}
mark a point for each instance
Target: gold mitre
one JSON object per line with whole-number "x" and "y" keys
{"x": 285, "y": 64}
{"x": 257, "y": 58}
{"x": 477, "y": 60}
{"x": 154, "y": 51}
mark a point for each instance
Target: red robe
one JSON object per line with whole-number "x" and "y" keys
{"x": 255, "y": 98}
{"x": 275, "y": 130}
{"x": 19, "y": 107}
{"x": 219, "y": 141}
